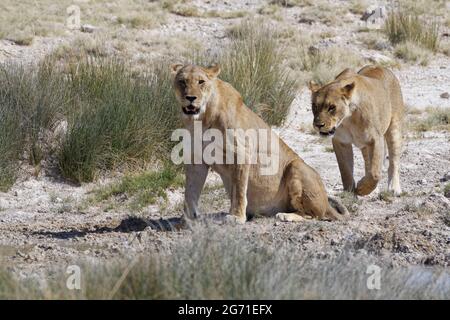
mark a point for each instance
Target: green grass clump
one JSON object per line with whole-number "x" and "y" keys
{"x": 145, "y": 188}
{"x": 32, "y": 100}
{"x": 10, "y": 146}
{"x": 120, "y": 118}
{"x": 253, "y": 64}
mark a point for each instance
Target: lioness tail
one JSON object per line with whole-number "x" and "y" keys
{"x": 336, "y": 210}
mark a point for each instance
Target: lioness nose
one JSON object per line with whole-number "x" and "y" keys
{"x": 191, "y": 98}
{"x": 319, "y": 124}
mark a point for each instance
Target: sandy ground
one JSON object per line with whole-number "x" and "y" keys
{"x": 43, "y": 225}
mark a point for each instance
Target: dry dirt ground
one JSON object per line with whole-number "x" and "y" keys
{"x": 45, "y": 222}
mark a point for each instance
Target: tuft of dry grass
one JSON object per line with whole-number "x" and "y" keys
{"x": 322, "y": 64}
{"x": 291, "y": 3}
{"x": 193, "y": 11}
{"x": 142, "y": 20}
{"x": 350, "y": 201}
{"x": 358, "y": 6}
{"x": 445, "y": 47}
{"x": 411, "y": 52}
{"x": 374, "y": 40}
{"x": 386, "y": 196}
{"x": 224, "y": 264}
{"x": 446, "y": 190}
{"x": 433, "y": 119}
{"x": 402, "y": 26}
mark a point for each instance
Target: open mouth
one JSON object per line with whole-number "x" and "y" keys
{"x": 329, "y": 133}
{"x": 191, "y": 110}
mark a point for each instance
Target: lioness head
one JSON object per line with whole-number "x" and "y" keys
{"x": 194, "y": 87}
{"x": 331, "y": 104}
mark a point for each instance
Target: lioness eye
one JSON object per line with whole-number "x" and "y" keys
{"x": 182, "y": 83}
{"x": 332, "y": 108}
{"x": 201, "y": 81}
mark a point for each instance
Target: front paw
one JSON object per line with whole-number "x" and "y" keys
{"x": 365, "y": 186}
{"x": 232, "y": 219}
{"x": 396, "y": 190}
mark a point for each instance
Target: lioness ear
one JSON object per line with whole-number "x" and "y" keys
{"x": 213, "y": 70}
{"x": 175, "y": 68}
{"x": 313, "y": 86}
{"x": 345, "y": 73}
{"x": 347, "y": 90}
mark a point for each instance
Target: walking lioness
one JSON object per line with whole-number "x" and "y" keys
{"x": 292, "y": 191}
{"x": 364, "y": 109}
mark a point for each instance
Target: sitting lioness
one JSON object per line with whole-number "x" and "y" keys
{"x": 364, "y": 109}
{"x": 292, "y": 191}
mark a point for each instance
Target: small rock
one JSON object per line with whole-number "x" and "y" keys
{"x": 382, "y": 45}
{"x": 422, "y": 181}
{"x": 374, "y": 14}
{"x": 377, "y": 58}
{"x": 21, "y": 254}
{"x": 306, "y": 21}
{"x": 88, "y": 28}
{"x": 446, "y": 177}
{"x": 445, "y": 95}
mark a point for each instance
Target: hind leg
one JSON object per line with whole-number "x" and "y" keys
{"x": 394, "y": 143}
{"x": 307, "y": 194}
{"x": 295, "y": 191}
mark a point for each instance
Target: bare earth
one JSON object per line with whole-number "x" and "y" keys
{"x": 43, "y": 224}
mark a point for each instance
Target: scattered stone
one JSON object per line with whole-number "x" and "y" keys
{"x": 445, "y": 95}
{"x": 306, "y": 21}
{"x": 88, "y": 28}
{"x": 374, "y": 14}
{"x": 446, "y": 177}
{"x": 382, "y": 45}
{"x": 422, "y": 181}
{"x": 313, "y": 50}
{"x": 378, "y": 58}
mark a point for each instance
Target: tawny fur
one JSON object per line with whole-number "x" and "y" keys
{"x": 294, "y": 191}
{"x": 365, "y": 109}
